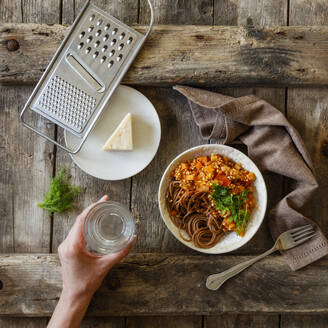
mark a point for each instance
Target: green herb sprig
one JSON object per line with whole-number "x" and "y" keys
{"x": 226, "y": 202}
{"x": 61, "y": 194}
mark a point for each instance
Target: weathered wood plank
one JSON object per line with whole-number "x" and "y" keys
{"x": 242, "y": 321}
{"x": 26, "y": 161}
{"x": 164, "y": 322}
{"x": 189, "y": 54}
{"x": 126, "y": 10}
{"x": 250, "y": 12}
{"x": 195, "y": 12}
{"x": 307, "y": 109}
{"x": 93, "y": 188}
{"x": 104, "y": 322}
{"x": 40, "y": 11}
{"x": 23, "y": 322}
{"x": 304, "y": 12}
{"x": 26, "y": 169}
{"x": 304, "y": 321}
{"x": 11, "y": 11}
{"x": 153, "y": 284}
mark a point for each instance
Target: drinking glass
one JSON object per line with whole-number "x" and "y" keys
{"x": 108, "y": 228}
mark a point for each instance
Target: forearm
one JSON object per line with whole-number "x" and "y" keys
{"x": 69, "y": 311}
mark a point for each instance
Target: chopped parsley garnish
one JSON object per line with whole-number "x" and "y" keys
{"x": 61, "y": 194}
{"x": 226, "y": 202}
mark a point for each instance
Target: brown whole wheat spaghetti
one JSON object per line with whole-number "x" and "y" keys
{"x": 193, "y": 209}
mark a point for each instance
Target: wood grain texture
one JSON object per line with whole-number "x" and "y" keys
{"x": 126, "y": 10}
{"x": 103, "y": 322}
{"x": 26, "y": 161}
{"x": 307, "y": 110}
{"x": 139, "y": 285}
{"x": 200, "y": 55}
{"x": 94, "y": 188}
{"x": 26, "y": 169}
{"x": 242, "y": 321}
{"x": 23, "y": 322}
{"x": 164, "y": 322}
{"x": 11, "y": 11}
{"x": 304, "y": 321}
{"x": 195, "y": 12}
{"x": 307, "y": 12}
{"x": 40, "y": 11}
{"x": 250, "y": 12}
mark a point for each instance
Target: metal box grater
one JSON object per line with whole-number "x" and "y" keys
{"x": 84, "y": 72}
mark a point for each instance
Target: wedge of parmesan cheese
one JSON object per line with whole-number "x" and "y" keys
{"x": 121, "y": 139}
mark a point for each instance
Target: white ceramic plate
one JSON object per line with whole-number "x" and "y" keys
{"x": 231, "y": 241}
{"x": 118, "y": 165}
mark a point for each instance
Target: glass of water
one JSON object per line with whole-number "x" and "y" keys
{"x": 108, "y": 228}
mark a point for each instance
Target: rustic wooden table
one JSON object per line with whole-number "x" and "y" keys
{"x": 162, "y": 280}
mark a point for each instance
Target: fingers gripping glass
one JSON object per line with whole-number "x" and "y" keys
{"x": 108, "y": 228}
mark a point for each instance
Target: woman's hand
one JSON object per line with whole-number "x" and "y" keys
{"x": 82, "y": 274}
{"x": 82, "y": 271}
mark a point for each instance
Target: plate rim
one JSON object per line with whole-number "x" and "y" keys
{"x": 189, "y": 244}
{"x": 153, "y": 156}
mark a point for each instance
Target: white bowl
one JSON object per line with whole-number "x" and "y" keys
{"x": 231, "y": 241}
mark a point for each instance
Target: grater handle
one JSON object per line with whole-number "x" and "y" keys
{"x": 30, "y": 127}
{"x": 151, "y": 18}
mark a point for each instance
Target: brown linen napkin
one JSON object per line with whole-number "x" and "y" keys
{"x": 275, "y": 146}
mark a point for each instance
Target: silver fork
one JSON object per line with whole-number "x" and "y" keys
{"x": 286, "y": 240}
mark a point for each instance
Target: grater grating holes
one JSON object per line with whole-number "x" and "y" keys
{"x": 99, "y": 40}
{"x": 67, "y": 103}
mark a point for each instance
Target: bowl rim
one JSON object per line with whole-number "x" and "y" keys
{"x": 214, "y": 146}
